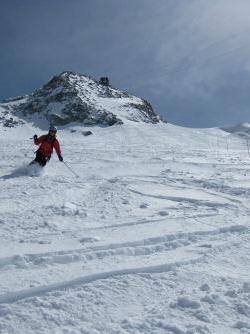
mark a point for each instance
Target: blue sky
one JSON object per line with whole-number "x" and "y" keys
{"x": 189, "y": 58}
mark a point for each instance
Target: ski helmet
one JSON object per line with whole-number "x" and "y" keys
{"x": 52, "y": 128}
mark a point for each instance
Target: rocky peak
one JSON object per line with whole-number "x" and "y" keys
{"x": 70, "y": 97}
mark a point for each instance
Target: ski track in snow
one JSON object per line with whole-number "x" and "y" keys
{"x": 153, "y": 237}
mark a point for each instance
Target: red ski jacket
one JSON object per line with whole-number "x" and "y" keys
{"x": 47, "y": 143}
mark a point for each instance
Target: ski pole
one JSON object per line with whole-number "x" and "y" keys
{"x": 248, "y": 147}
{"x": 71, "y": 169}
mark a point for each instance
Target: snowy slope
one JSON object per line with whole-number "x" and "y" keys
{"x": 153, "y": 237}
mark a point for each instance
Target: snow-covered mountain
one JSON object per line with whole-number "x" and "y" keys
{"x": 69, "y": 97}
{"x": 242, "y": 129}
{"x": 131, "y": 236}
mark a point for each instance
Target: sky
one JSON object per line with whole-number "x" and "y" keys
{"x": 189, "y": 58}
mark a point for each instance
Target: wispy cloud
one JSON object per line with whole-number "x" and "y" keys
{"x": 200, "y": 45}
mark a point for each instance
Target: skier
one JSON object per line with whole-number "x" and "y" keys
{"x": 47, "y": 144}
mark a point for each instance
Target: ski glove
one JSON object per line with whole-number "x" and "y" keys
{"x": 60, "y": 158}
{"x": 35, "y": 137}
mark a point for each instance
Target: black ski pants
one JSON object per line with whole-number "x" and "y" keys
{"x": 40, "y": 158}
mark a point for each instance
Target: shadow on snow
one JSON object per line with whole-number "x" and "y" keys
{"x": 30, "y": 170}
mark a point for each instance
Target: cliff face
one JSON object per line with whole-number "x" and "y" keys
{"x": 69, "y": 97}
